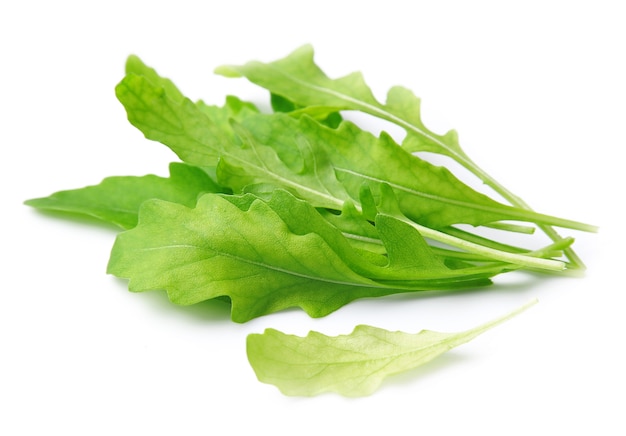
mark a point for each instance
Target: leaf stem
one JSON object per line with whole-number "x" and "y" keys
{"x": 524, "y": 260}
{"x": 513, "y": 199}
{"x": 461, "y": 158}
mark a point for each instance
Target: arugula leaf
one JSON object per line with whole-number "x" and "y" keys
{"x": 246, "y": 251}
{"x": 300, "y": 208}
{"x": 352, "y": 365}
{"x": 116, "y": 200}
{"x": 199, "y": 137}
{"x": 425, "y": 194}
{"x": 218, "y": 249}
{"x": 387, "y": 205}
{"x": 407, "y": 256}
{"x": 298, "y": 79}
{"x": 281, "y": 104}
{"x": 278, "y": 151}
{"x": 428, "y": 194}
{"x": 180, "y": 127}
{"x": 135, "y": 66}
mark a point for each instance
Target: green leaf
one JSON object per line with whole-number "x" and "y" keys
{"x": 306, "y": 173}
{"x": 218, "y": 249}
{"x": 428, "y": 194}
{"x": 279, "y": 151}
{"x": 135, "y": 66}
{"x": 407, "y": 255}
{"x": 359, "y": 231}
{"x": 352, "y": 365}
{"x": 208, "y": 136}
{"x": 234, "y": 109}
{"x": 116, "y": 200}
{"x": 407, "y": 259}
{"x": 266, "y": 261}
{"x": 386, "y": 204}
{"x": 297, "y": 78}
{"x": 281, "y": 104}
{"x": 174, "y": 121}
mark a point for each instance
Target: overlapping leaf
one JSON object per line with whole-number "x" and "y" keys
{"x": 116, "y": 200}
{"x": 277, "y": 151}
{"x": 323, "y": 213}
{"x": 266, "y": 261}
{"x": 333, "y": 213}
{"x": 298, "y": 79}
{"x": 428, "y": 194}
{"x": 270, "y": 148}
{"x": 197, "y": 134}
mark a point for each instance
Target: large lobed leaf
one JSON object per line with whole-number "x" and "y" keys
{"x": 428, "y": 194}
{"x": 305, "y": 157}
{"x": 202, "y": 135}
{"x": 297, "y": 78}
{"x": 271, "y": 255}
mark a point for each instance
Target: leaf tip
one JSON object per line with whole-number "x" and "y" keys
{"x": 228, "y": 71}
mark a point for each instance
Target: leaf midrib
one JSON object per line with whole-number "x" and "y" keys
{"x": 263, "y": 265}
{"x": 374, "y": 110}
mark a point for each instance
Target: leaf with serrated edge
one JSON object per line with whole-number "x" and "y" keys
{"x": 352, "y": 365}
{"x": 428, "y": 194}
{"x": 265, "y": 262}
{"x": 297, "y": 78}
{"x": 188, "y": 130}
{"x": 200, "y": 135}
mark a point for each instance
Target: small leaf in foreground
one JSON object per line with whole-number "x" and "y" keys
{"x": 351, "y": 365}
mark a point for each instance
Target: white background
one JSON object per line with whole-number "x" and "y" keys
{"x": 536, "y": 91}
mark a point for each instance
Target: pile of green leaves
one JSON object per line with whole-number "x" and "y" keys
{"x": 299, "y": 207}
